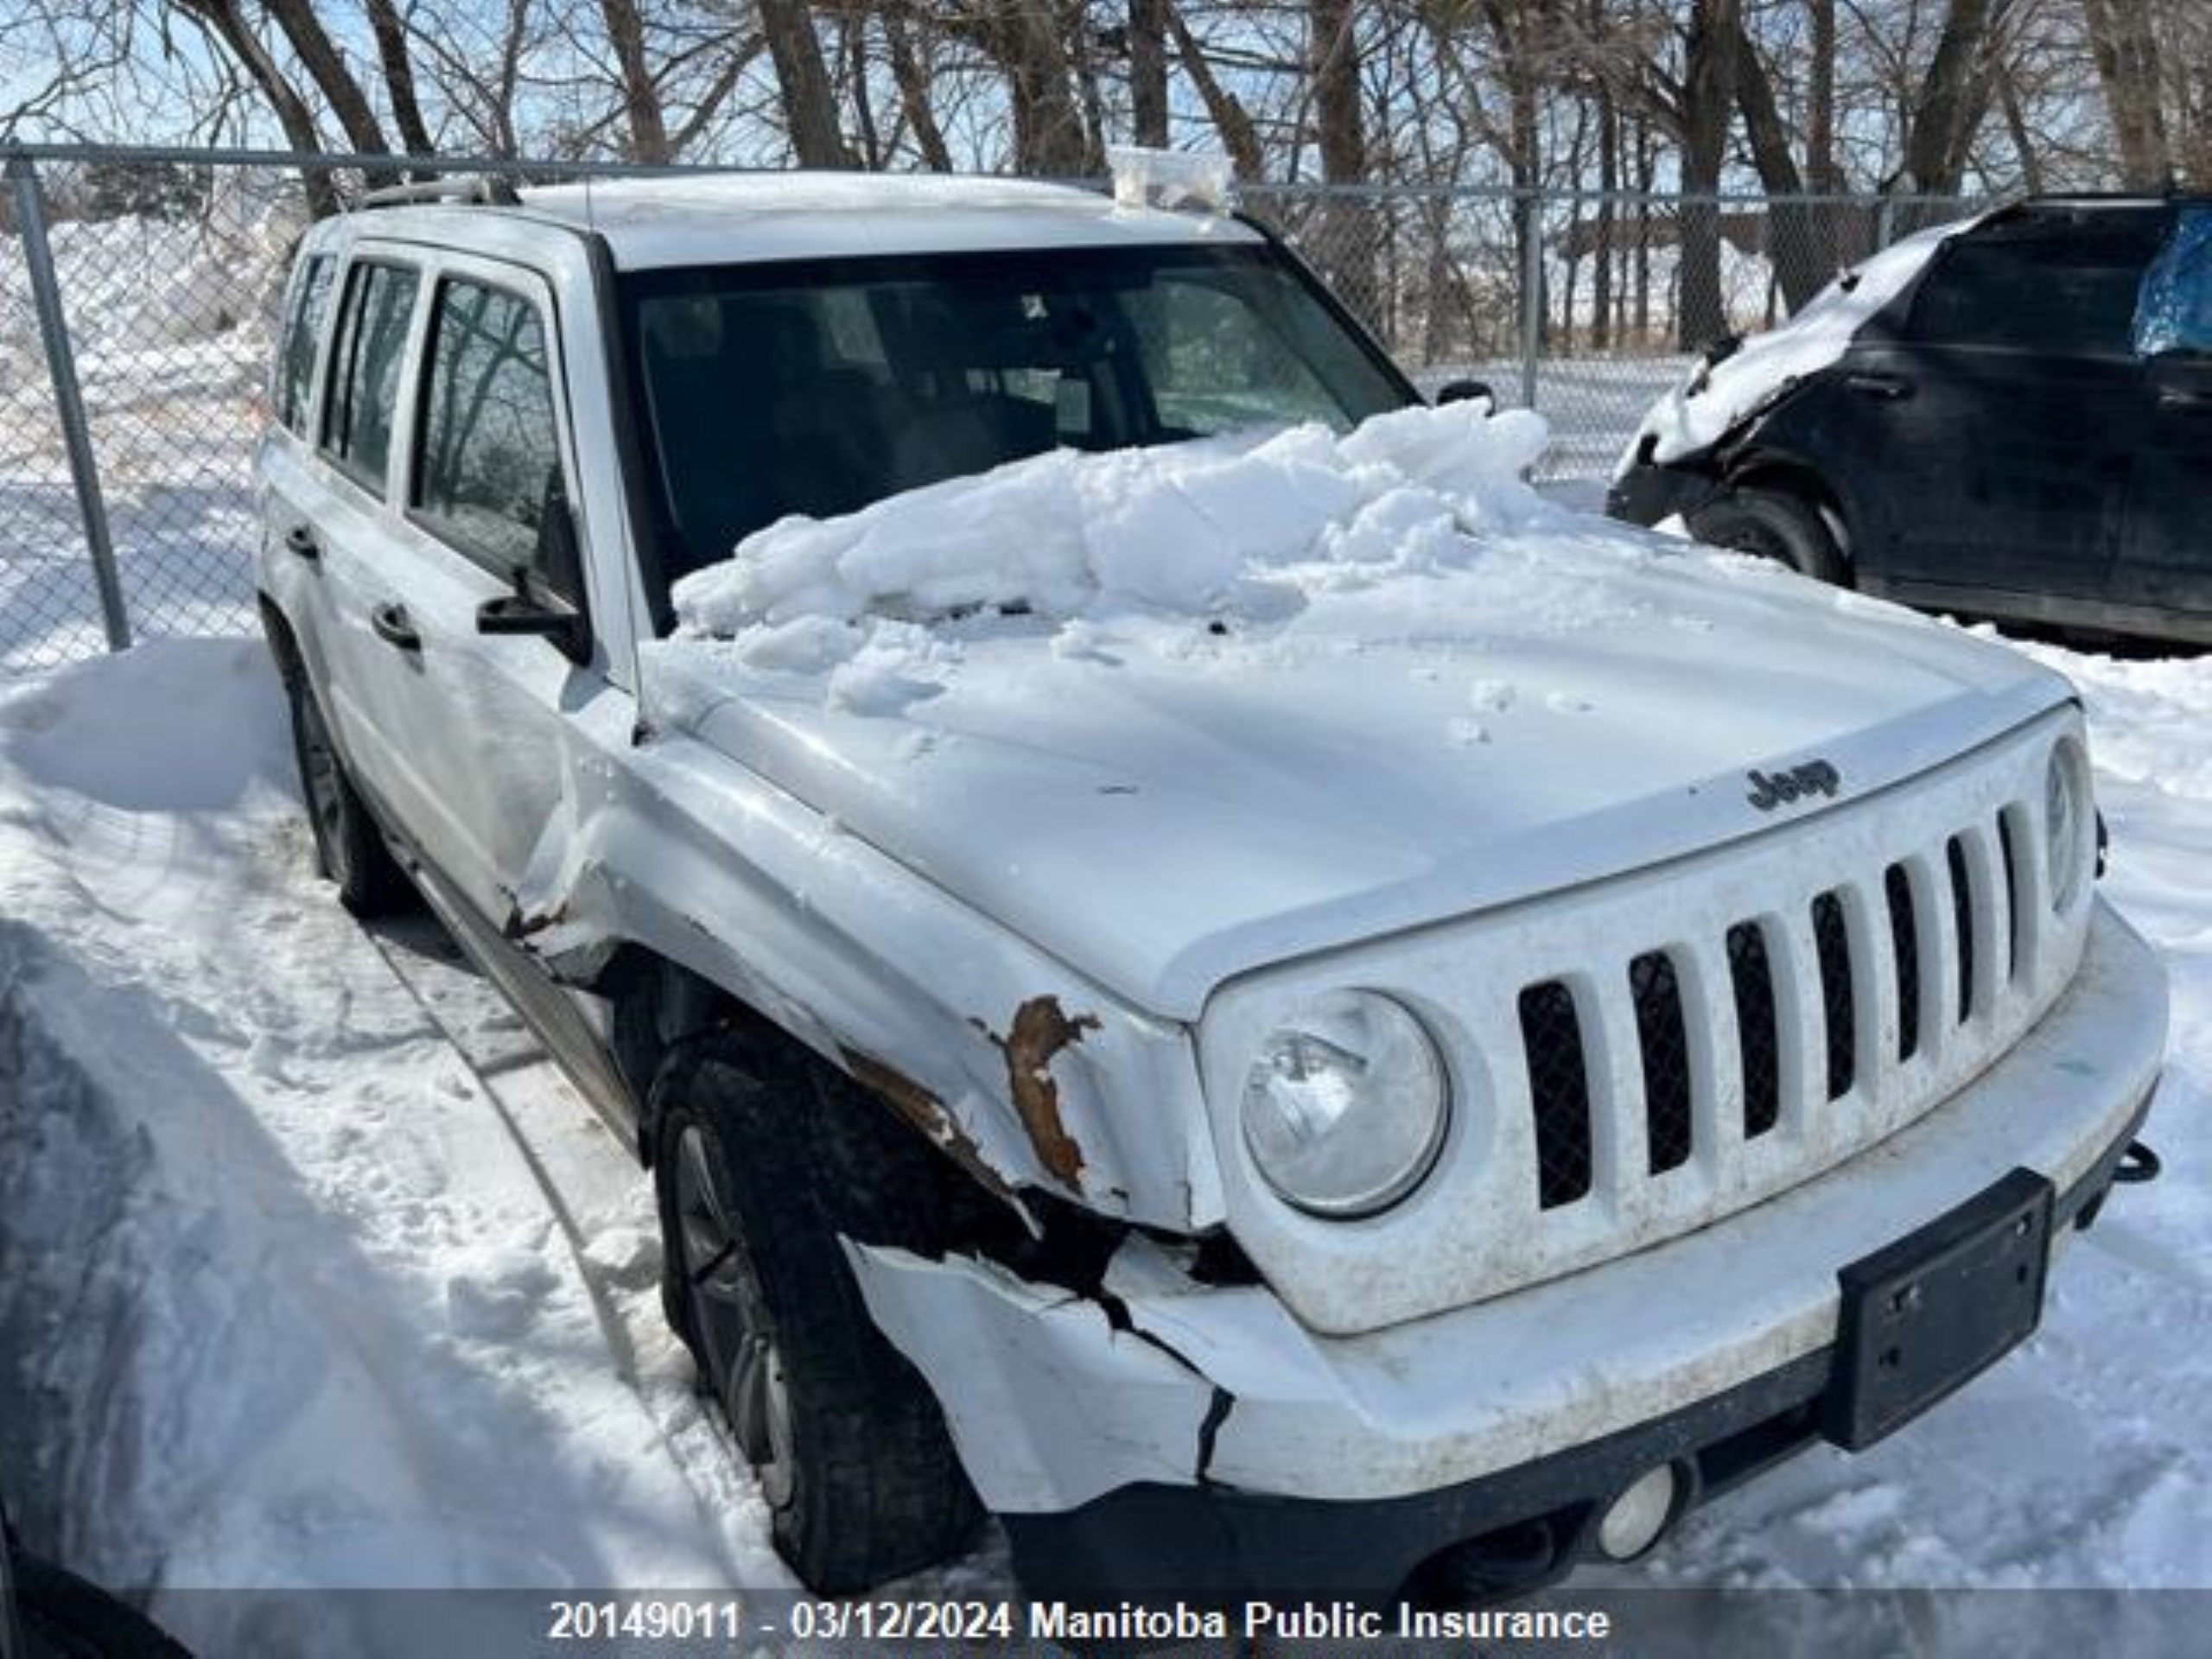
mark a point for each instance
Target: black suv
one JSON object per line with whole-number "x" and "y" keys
{"x": 2022, "y": 430}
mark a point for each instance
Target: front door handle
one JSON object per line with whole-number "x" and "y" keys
{"x": 1888, "y": 387}
{"x": 393, "y": 627}
{"x": 2185, "y": 403}
{"x": 301, "y": 539}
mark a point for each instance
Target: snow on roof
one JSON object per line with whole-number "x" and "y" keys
{"x": 720, "y": 218}
{"x": 1715, "y": 397}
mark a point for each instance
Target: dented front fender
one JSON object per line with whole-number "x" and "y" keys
{"x": 1023, "y": 1070}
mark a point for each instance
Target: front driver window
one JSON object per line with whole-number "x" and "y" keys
{"x": 489, "y": 450}
{"x": 2174, "y": 312}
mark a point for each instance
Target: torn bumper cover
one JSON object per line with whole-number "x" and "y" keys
{"x": 1168, "y": 1436}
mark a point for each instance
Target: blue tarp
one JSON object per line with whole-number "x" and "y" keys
{"x": 2173, "y": 312}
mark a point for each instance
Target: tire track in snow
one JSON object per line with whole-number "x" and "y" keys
{"x": 579, "y": 1166}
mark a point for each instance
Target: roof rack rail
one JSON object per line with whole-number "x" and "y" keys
{"x": 478, "y": 190}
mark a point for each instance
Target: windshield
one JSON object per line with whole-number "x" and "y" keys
{"x": 816, "y": 389}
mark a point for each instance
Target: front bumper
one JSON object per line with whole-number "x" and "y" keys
{"x": 1174, "y": 1436}
{"x": 1648, "y": 493}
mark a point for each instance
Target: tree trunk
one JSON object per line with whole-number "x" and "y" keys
{"x": 1821, "y": 172}
{"x": 1348, "y": 247}
{"x": 913, "y": 80}
{"x": 222, "y": 20}
{"x": 1224, "y": 108}
{"x": 802, "y": 83}
{"x": 399, "y": 77}
{"x": 2024, "y": 140}
{"x": 1148, "y": 72}
{"x": 853, "y": 72}
{"x": 641, "y": 106}
{"x": 1027, "y": 39}
{"x": 1708, "y": 95}
{"x": 1512, "y": 28}
{"x": 2125, "y": 45}
{"x": 1944, "y": 114}
{"x": 327, "y": 68}
{"x": 1609, "y": 183}
{"x": 1797, "y": 238}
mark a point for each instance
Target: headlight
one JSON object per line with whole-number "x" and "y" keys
{"x": 2067, "y": 816}
{"x": 1346, "y": 1105}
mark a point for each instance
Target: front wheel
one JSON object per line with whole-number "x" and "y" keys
{"x": 1769, "y": 524}
{"x": 762, "y": 1161}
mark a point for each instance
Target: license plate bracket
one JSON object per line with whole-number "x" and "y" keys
{"x": 1927, "y": 1313}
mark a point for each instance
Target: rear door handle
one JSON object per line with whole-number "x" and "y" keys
{"x": 392, "y": 626}
{"x": 2185, "y": 403}
{"x": 301, "y": 539}
{"x": 1886, "y": 386}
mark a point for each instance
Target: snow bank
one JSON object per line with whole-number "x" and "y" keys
{"x": 1716, "y": 396}
{"x": 140, "y": 284}
{"x": 283, "y": 1301}
{"x": 1237, "y": 531}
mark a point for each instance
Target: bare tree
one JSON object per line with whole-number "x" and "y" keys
{"x": 810, "y": 107}
{"x": 2124, "y": 45}
{"x": 1952, "y": 99}
{"x": 1148, "y": 44}
{"x": 1231, "y": 120}
{"x": 646, "y": 121}
{"x": 910, "y": 70}
{"x": 325, "y": 66}
{"x": 390, "y": 32}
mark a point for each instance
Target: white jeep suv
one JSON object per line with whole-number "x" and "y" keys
{"x": 1197, "y": 967}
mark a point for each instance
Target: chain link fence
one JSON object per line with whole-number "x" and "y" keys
{"x": 131, "y": 395}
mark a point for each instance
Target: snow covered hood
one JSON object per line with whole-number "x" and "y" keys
{"x": 1715, "y": 397}
{"x": 1259, "y": 698}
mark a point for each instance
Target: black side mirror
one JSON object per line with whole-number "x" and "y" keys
{"x": 1460, "y": 392}
{"x": 525, "y": 612}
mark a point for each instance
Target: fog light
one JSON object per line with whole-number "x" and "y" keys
{"x": 1639, "y": 1514}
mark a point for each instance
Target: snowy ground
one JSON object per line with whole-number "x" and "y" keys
{"x": 313, "y": 1273}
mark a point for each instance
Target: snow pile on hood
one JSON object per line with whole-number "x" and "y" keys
{"x": 1247, "y": 529}
{"x": 1717, "y": 396}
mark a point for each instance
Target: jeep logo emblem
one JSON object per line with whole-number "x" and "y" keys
{"x": 1773, "y": 789}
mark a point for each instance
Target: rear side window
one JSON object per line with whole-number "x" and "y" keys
{"x": 488, "y": 461}
{"x": 364, "y": 396}
{"x": 302, "y": 330}
{"x": 2070, "y": 287}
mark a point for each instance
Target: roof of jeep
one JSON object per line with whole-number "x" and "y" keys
{"x": 726, "y": 218}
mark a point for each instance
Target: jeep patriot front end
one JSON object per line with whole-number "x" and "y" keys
{"x": 1199, "y": 968}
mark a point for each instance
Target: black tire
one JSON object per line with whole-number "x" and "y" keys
{"x": 348, "y": 847}
{"x": 1769, "y": 524}
{"x": 763, "y": 1157}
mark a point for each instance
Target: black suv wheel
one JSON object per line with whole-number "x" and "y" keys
{"x": 763, "y": 1159}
